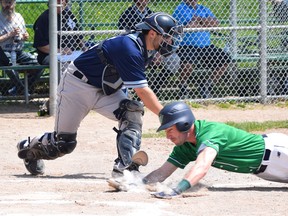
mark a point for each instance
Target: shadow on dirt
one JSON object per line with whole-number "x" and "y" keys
{"x": 252, "y": 188}
{"x": 70, "y": 176}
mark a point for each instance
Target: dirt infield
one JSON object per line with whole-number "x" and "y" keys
{"x": 76, "y": 184}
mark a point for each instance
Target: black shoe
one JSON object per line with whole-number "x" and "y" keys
{"x": 35, "y": 167}
{"x": 118, "y": 172}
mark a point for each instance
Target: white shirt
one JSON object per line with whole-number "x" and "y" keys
{"x": 8, "y": 26}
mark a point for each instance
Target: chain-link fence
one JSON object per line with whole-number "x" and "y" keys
{"x": 18, "y": 56}
{"x": 232, "y": 50}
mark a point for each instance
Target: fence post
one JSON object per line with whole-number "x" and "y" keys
{"x": 53, "y": 55}
{"x": 263, "y": 50}
{"x": 233, "y": 23}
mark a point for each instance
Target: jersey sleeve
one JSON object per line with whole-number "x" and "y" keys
{"x": 208, "y": 143}
{"x": 182, "y": 155}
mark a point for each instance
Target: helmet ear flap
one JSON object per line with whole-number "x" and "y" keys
{"x": 183, "y": 126}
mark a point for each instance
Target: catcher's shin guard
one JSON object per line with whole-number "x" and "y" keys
{"x": 47, "y": 148}
{"x": 129, "y": 135}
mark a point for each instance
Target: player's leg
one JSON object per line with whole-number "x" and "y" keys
{"x": 277, "y": 164}
{"x": 129, "y": 134}
{"x": 72, "y": 107}
{"x": 129, "y": 114}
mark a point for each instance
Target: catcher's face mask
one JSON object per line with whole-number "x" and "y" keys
{"x": 171, "y": 41}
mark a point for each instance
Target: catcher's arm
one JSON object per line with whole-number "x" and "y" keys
{"x": 195, "y": 174}
{"x": 149, "y": 99}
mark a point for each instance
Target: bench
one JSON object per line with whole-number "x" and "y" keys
{"x": 24, "y": 69}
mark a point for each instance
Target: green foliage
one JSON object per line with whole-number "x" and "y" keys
{"x": 194, "y": 105}
{"x": 224, "y": 105}
{"x": 154, "y": 134}
{"x": 241, "y": 105}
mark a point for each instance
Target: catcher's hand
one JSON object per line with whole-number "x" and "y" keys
{"x": 165, "y": 195}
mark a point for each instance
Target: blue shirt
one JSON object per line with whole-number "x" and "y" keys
{"x": 184, "y": 13}
{"x": 129, "y": 59}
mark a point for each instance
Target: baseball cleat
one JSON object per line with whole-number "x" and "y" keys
{"x": 35, "y": 167}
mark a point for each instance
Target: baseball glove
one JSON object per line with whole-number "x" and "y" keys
{"x": 140, "y": 158}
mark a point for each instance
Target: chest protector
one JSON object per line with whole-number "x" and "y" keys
{"x": 111, "y": 80}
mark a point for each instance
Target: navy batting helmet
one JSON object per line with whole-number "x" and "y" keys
{"x": 177, "y": 113}
{"x": 167, "y": 26}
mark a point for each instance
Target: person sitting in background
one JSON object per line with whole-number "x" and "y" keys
{"x": 134, "y": 14}
{"x": 196, "y": 47}
{"x": 12, "y": 36}
{"x": 167, "y": 65}
{"x": 67, "y": 23}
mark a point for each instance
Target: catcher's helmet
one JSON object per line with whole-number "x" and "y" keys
{"x": 167, "y": 26}
{"x": 177, "y": 113}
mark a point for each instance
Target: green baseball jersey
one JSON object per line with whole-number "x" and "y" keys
{"x": 237, "y": 150}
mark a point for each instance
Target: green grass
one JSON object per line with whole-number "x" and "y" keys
{"x": 259, "y": 126}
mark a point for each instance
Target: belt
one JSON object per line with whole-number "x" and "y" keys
{"x": 266, "y": 157}
{"x": 80, "y": 76}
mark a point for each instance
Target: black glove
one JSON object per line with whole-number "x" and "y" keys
{"x": 164, "y": 195}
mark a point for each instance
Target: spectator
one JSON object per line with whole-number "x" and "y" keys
{"x": 41, "y": 28}
{"x": 167, "y": 65}
{"x": 134, "y": 14}
{"x": 196, "y": 47}
{"x": 280, "y": 10}
{"x": 4, "y": 60}
{"x": 12, "y": 36}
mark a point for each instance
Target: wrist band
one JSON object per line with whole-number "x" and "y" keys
{"x": 182, "y": 186}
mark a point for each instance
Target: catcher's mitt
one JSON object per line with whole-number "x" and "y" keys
{"x": 140, "y": 158}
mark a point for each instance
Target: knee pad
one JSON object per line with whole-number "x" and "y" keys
{"x": 66, "y": 143}
{"x": 128, "y": 107}
{"x": 129, "y": 135}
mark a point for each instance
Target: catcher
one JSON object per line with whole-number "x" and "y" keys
{"x": 94, "y": 82}
{"x": 218, "y": 145}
